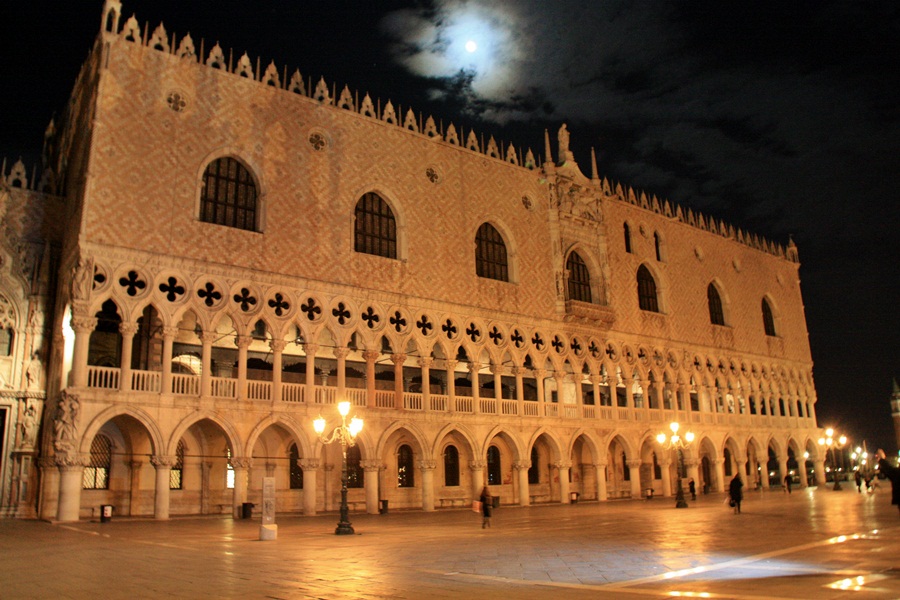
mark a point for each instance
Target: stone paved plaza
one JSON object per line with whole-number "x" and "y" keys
{"x": 810, "y": 544}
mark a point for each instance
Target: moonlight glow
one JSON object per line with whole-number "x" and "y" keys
{"x": 471, "y": 46}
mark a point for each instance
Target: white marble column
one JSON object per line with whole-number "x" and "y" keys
{"x": 70, "y": 481}
{"x": 477, "y": 470}
{"x": 425, "y": 370}
{"x": 83, "y": 327}
{"x": 207, "y": 338}
{"x": 127, "y": 331}
{"x": 667, "y": 484}
{"x": 241, "y": 466}
{"x": 371, "y": 356}
{"x": 562, "y": 469}
{"x": 163, "y": 466}
{"x": 371, "y": 470}
{"x": 719, "y": 465}
{"x": 634, "y": 470}
{"x": 277, "y": 347}
{"x": 168, "y": 337}
{"x": 521, "y": 468}
{"x": 427, "y": 469}
{"x": 600, "y": 479}
{"x": 310, "y": 468}
{"x": 398, "y": 360}
{"x": 243, "y": 343}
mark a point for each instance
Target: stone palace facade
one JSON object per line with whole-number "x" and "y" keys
{"x": 216, "y": 251}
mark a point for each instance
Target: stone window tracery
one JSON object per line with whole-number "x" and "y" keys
{"x": 716, "y": 316}
{"x": 647, "y": 298}
{"x": 96, "y": 473}
{"x": 579, "y": 278}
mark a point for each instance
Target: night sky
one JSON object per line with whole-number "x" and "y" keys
{"x": 782, "y": 118}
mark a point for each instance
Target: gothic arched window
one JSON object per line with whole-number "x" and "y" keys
{"x": 96, "y": 474}
{"x": 176, "y": 474}
{"x": 716, "y": 316}
{"x": 375, "y": 229}
{"x": 647, "y": 299}
{"x": 768, "y": 319}
{"x": 229, "y": 195}
{"x": 627, "y": 232}
{"x": 405, "y": 474}
{"x": 493, "y": 466}
{"x": 579, "y": 278}
{"x": 355, "y": 472}
{"x": 295, "y": 469}
{"x": 490, "y": 254}
{"x": 451, "y": 466}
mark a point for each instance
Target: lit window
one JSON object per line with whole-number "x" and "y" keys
{"x": 229, "y": 195}
{"x": 375, "y": 231}
{"x": 96, "y": 473}
{"x": 579, "y": 278}
{"x": 490, "y": 254}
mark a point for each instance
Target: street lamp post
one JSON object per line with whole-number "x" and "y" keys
{"x": 345, "y": 434}
{"x": 833, "y": 442}
{"x": 675, "y": 441}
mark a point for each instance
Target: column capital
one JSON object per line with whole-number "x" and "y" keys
{"x": 370, "y": 465}
{"x": 310, "y": 348}
{"x": 425, "y": 362}
{"x": 341, "y": 352}
{"x": 70, "y": 462}
{"x": 169, "y": 332}
{"x": 559, "y": 375}
{"x": 517, "y": 371}
{"x": 242, "y": 462}
{"x": 243, "y": 341}
{"x": 128, "y": 329}
{"x": 474, "y": 367}
{"x": 84, "y": 324}
{"x": 496, "y": 369}
{"x": 477, "y": 465}
{"x": 451, "y": 364}
{"x": 398, "y": 358}
{"x": 162, "y": 462}
{"x": 600, "y": 465}
{"x": 519, "y": 465}
{"x": 208, "y": 337}
{"x": 309, "y": 464}
{"x": 371, "y": 355}
{"x": 427, "y": 465}
{"x": 634, "y": 463}
{"x": 562, "y": 464}
{"x": 277, "y": 345}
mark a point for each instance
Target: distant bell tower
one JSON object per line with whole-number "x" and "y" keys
{"x": 895, "y": 411}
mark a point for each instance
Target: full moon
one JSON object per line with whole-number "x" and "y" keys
{"x": 471, "y": 46}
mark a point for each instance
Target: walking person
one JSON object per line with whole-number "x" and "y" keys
{"x": 787, "y": 483}
{"x": 892, "y": 473}
{"x": 487, "y": 507}
{"x": 692, "y": 487}
{"x": 859, "y": 480}
{"x": 736, "y": 493}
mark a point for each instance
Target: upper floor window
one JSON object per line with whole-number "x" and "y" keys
{"x": 96, "y": 473}
{"x": 627, "y": 238}
{"x": 768, "y": 319}
{"x": 647, "y": 299}
{"x": 579, "y": 278}
{"x": 375, "y": 231}
{"x": 657, "y": 246}
{"x": 490, "y": 254}
{"x": 229, "y": 195}
{"x": 716, "y": 316}
{"x": 7, "y": 335}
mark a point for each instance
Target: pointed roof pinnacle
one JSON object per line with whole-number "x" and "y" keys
{"x": 548, "y": 156}
{"x": 594, "y": 176}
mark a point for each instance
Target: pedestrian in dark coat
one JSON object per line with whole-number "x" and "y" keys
{"x": 487, "y": 507}
{"x": 692, "y": 487}
{"x": 736, "y": 493}
{"x": 892, "y": 473}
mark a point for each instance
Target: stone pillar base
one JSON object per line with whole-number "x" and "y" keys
{"x": 268, "y": 533}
